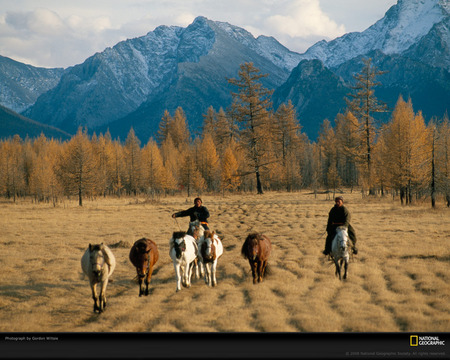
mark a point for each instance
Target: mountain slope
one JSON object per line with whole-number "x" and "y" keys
{"x": 12, "y": 124}
{"x": 168, "y": 67}
{"x": 21, "y": 84}
{"x": 195, "y": 86}
{"x": 315, "y": 92}
{"x": 403, "y": 26}
{"x": 411, "y": 43}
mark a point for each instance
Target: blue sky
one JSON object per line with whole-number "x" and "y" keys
{"x": 61, "y": 33}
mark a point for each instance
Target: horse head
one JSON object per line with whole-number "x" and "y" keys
{"x": 342, "y": 237}
{"x": 208, "y": 248}
{"x": 196, "y": 229}
{"x": 179, "y": 243}
{"x": 143, "y": 258}
{"x": 96, "y": 259}
{"x": 250, "y": 249}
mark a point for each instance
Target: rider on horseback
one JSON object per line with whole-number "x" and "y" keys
{"x": 197, "y": 212}
{"x": 338, "y": 216}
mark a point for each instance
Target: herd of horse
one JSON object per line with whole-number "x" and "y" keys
{"x": 194, "y": 253}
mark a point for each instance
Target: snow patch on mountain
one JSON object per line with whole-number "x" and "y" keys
{"x": 402, "y": 26}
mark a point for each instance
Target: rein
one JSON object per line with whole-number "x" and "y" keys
{"x": 179, "y": 228}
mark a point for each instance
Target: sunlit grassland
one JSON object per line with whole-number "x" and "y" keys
{"x": 399, "y": 281}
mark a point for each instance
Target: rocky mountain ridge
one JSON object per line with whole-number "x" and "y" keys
{"x": 134, "y": 82}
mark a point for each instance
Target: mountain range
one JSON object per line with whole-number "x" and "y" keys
{"x": 134, "y": 82}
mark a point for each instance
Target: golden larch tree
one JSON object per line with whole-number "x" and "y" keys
{"x": 77, "y": 167}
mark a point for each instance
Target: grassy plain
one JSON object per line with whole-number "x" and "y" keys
{"x": 399, "y": 281}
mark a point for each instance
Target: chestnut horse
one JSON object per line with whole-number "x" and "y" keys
{"x": 144, "y": 255}
{"x": 210, "y": 249}
{"x": 256, "y": 249}
{"x": 98, "y": 263}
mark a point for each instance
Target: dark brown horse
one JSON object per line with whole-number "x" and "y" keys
{"x": 256, "y": 249}
{"x": 144, "y": 255}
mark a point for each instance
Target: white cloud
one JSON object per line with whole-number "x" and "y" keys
{"x": 61, "y": 33}
{"x": 303, "y": 18}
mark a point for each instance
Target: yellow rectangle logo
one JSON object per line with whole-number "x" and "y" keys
{"x": 414, "y": 340}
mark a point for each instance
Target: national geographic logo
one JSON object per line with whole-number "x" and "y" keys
{"x": 416, "y": 340}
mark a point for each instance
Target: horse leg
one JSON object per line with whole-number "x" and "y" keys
{"x": 178, "y": 275}
{"x": 260, "y": 270}
{"x": 148, "y": 279}
{"x": 263, "y": 271}
{"x": 253, "y": 267}
{"x": 94, "y": 296}
{"x": 188, "y": 274}
{"x": 102, "y": 297}
{"x": 202, "y": 268}
{"x": 208, "y": 274}
{"x": 214, "y": 267}
{"x": 196, "y": 265}
{"x": 345, "y": 268}
{"x": 141, "y": 291}
{"x": 338, "y": 269}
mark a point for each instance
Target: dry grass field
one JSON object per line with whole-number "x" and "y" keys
{"x": 399, "y": 281}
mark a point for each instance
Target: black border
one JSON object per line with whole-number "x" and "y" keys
{"x": 220, "y": 346}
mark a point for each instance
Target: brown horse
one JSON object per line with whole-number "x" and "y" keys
{"x": 144, "y": 255}
{"x": 256, "y": 249}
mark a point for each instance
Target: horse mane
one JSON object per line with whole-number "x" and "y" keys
{"x": 251, "y": 237}
{"x": 142, "y": 245}
{"x": 105, "y": 251}
{"x": 95, "y": 247}
{"x": 209, "y": 234}
{"x": 179, "y": 234}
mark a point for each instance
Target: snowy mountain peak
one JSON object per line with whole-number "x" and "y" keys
{"x": 403, "y": 25}
{"x": 413, "y": 19}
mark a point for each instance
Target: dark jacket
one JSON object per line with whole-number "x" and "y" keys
{"x": 338, "y": 215}
{"x": 201, "y": 213}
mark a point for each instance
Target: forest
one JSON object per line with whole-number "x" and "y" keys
{"x": 249, "y": 147}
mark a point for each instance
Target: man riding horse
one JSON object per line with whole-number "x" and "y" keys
{"x": 339, "y": 216}
{"x": 197, "y": 212}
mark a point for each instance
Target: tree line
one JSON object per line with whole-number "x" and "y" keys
{"x": 248, "y": 147}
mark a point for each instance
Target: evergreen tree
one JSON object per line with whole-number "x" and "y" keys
{"x": 77, "y": 168}
{"x": 250, "y": 106}
{"x": 208, "y": 161}
{"x": 406, "y": 137}
{"x": 287, "y": 145}
{"x": 229, "y": 174}
{"x": 164, "y": 127}
{"x": 349, "y": 155}
{"x": 442, "y": 158}
{"x": 133, "y": 162}
{"x": 153, "y": 167}
{"x": 363, "y": 105}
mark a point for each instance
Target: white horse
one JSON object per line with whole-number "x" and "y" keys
{"x": 339, "y": 250}
{"x": 197, "y": 231}
{"x": 183, "y": 251}
{"x": 210, "y": 249}
{"x": 98, "y": 263}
